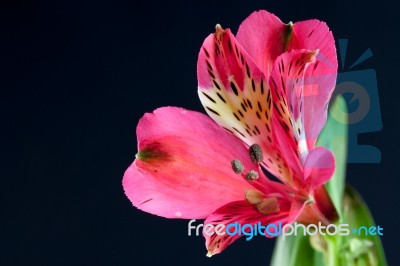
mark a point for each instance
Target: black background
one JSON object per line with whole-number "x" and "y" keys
{"x": 76, "y": 76}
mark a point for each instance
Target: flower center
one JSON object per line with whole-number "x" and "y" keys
{"x": 264, "y": 204}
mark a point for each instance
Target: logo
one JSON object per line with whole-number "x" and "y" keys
{"x": 359, "y": 88}
{"x": 274, "y": 230}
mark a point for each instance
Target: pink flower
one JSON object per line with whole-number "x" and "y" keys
{"x": 267, "y": 90}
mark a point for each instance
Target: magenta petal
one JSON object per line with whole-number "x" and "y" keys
{"x": 319, "y": 167}
{"x": 288, "y": 89}
{"x": 265, "y": 37}
{"x": 183, "y": 168}
{"x": 241, "y": 212}
{"x": 236, "y": 95}
{"x": 314, "y": 34}
{"x": 319, "y": 80}
{"x": 262, "y": 36}
{"x": 296, "y": 208}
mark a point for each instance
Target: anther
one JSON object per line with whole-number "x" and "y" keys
{"x": 253, "y": 196}
{"x": 256, "y": 154}
{"x": 237, "y": 166}
{"x": 252, "y": 175}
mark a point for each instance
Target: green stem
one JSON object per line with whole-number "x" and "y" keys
{"x": 332, "y": 253}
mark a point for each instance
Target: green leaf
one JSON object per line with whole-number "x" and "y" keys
{"x": 334, "y": 137}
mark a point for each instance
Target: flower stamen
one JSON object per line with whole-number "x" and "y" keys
{"x": 252, "y": 175}
{"x": 237, "y": 166}
{"x": 256, "y": 154}
{"x": 253, "y": 196}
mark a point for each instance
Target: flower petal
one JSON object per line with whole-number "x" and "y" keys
{"x": 183, "y": 168}
{"x": 236, "y": 95}
{"x": 314, "y": 34}
{"x": 287, "y": 87}
{"x": 319, "y": 167}
{"x": 264, "y": 36}
{"x": 319, "y": 80}
{"x": 296, "y": 209}
{"x": 325, "y": 205}
{"x": 320, "y": 209}
{"x": 240, "y": 212}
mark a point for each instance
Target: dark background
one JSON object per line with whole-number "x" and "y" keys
{"x": 75, "y": 78}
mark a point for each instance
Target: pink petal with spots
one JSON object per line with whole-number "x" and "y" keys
{"x": 264, "y": 36}
{"x": 240, "y": 212}
{"x": 236, "y": 95}
{"x": 320, "y": 80}
{"x": 183, "y": 168}
{"x": 287, "y": 87}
